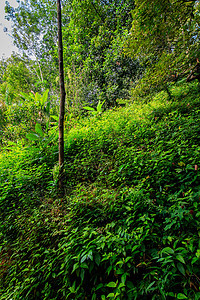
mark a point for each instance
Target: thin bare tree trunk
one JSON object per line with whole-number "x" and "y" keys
{"x": 62, "y": 100}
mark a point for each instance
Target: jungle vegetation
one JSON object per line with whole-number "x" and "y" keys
{"x": 127, "y": 225}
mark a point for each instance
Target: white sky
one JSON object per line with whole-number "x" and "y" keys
{"x": 6, "y": 42}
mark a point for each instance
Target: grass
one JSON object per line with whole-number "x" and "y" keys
{"x": 128, "y": 227}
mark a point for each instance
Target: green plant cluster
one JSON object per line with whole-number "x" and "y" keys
{"x": 129, "y": 224}
{"x": 32, "y": 117}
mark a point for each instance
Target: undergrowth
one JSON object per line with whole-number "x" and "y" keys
{"x": 128, "y": 226}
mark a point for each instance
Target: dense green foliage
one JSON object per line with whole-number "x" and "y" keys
{"x": 93, "y": 36}
{"x": 128, "y": 227}
{"x": 165, "y": 37}
{"x": 113, "y": 49}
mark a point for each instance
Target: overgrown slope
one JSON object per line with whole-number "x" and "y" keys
{"x": 128, "y": 227}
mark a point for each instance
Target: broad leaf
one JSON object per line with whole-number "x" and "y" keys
{"x": 89, "y": 108}
{"x": 180, "y": 258}
{"x": 32, "y": 136}
{"x": 181, "y": 296}
{"x": 180, "y": 267}
{"x": 112, "y": 284}
{"x": 38, "y": 129}
{"x": 44, "y": 97}
{"x": 168, "y": 250}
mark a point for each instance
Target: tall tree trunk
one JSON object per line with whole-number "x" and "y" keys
{"x": 62, "y": 100}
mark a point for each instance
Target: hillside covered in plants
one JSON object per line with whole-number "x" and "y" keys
{"x": 126, "y": 223}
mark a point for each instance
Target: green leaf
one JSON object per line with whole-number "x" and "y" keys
{"x": 84, "y": 258}
{"x": 32, "y": 136}
{"x": 44, "y": 97}
{"x": 119, "y": 271}
{"x": 112, "y": 284}
{"x": 99, "y": 106}
{"x": 100, "y": 285}
{"x": 135, "y": 247}
{"x": 38, "y": 98}
{"x": 84, "y": 265}
{"x": 123, "y": 278}
{"x": 180, "y": 258}
{"x": 75, "y": 267}
{"x": 171, "y": 294}
{"x": 29, "y": 96}
{"x": 111, "y": 295}
{"x": 128, "y": 258}
{"x": 109, "y": 270}
{"x": 168, "y": 250}
{"x": 194, "y": 260}
{"x": 25, "y": 270}
{"x": 198, "y": 253}
{"x": 120, "y": 262}
{"x": 181, "y": 296}
{"x": 48, "y": 107}
{"x": 38, "y": 129}
{"x": 121, "y": 167}
{"x": 150, "y": 285}
{"x": 89, "y": 108}
{"x": 72, "y": 289}
{"x": 82, "y": 274}
{"x": 180, "y": 267}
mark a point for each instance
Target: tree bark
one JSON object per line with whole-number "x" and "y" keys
{"x": 62, "y": 100}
